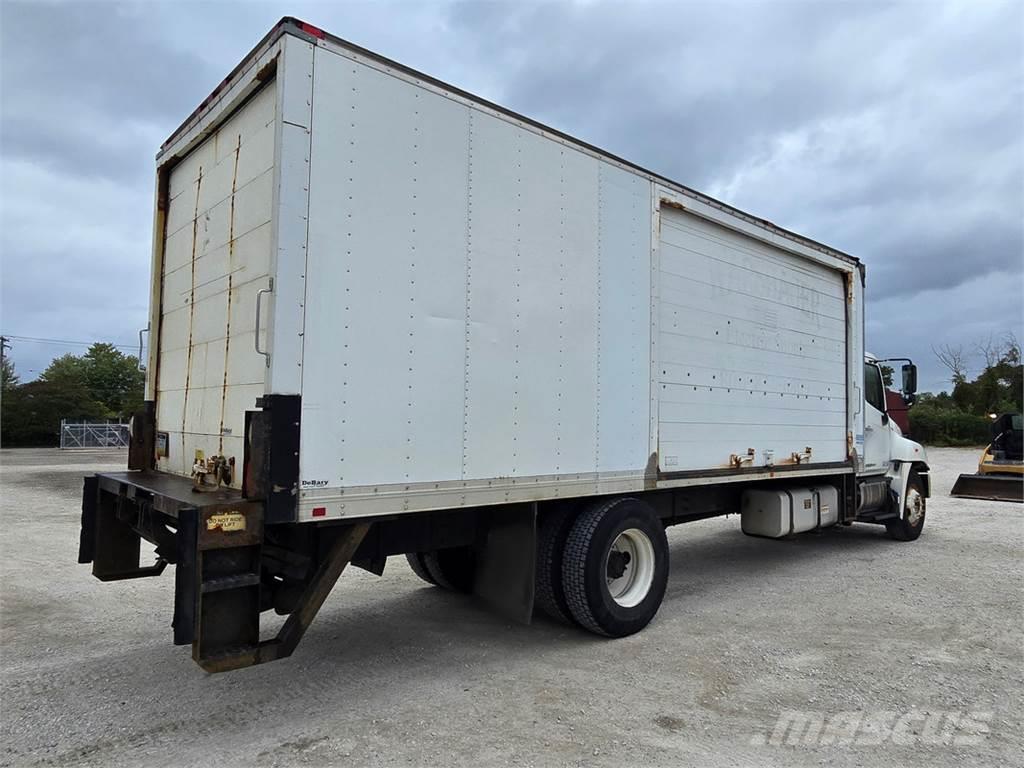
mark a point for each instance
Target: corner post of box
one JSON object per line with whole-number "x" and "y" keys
{"x": 271, "y": 462}
{"x": 142, "y": 439}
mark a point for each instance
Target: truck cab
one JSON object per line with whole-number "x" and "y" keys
{"x": 893, "y": 480}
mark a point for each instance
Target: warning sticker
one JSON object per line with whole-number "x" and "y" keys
{"x": 226, "y": 521}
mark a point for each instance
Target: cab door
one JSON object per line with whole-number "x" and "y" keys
{"x": 876, "y": 421}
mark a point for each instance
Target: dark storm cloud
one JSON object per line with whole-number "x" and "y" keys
{"x": 84, "y": 86}
{"x": 675, "y": 87}
{"x": 894, "y": 131}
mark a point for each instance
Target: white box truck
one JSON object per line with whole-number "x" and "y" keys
{"x": 389, "y": 317}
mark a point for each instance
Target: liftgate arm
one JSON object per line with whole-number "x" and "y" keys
{"x": 218, "y": 630}
{"x": 313, "y": 597}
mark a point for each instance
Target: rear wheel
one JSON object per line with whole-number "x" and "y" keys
{"x": 615, "y": 567}
{"x": 910, "y": 523}
{"x": 552, "y": 532}
{"x": 419, "y": 567}
{"x": 452, "y": 568}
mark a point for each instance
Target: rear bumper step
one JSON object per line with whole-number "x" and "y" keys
{"x": 215, "y": 540}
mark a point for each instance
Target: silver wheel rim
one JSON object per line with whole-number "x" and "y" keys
{"x": 915, "y": 507}
{"x": 629, "y": 567}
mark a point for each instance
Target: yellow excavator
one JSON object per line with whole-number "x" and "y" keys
{"x": 1000, "y": 475}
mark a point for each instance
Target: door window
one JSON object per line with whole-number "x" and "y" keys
{"x": 874, "y": 392}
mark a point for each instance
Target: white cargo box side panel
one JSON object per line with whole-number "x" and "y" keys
{"x": 216, "y": 256}
{"x": 752, "y": 349}
{"x": 624, "y": 319}
{"x": 477, "y": 311}
{"x": 384, "y": 344}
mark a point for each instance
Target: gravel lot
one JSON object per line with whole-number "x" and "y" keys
{"x": 397, "y": 673}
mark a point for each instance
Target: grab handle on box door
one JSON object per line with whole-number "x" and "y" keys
{"x": 139, "y": 365}
{"x": 259, "y": 307}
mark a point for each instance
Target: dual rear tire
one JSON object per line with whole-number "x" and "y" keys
{"x": 605, "y": 569}
{"x": 449, "y": 568}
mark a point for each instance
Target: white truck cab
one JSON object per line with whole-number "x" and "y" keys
{"x": 895, "y": 469}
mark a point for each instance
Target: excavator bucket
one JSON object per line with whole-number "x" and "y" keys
{"x": 992, "y": 487}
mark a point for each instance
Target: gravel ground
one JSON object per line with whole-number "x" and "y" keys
{"x": 846, "y": 625}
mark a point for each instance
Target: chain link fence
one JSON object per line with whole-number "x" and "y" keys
{"x": 93, "y": 435}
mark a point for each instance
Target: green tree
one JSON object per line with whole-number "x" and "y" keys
{"x": 8, "y": 376}
{"x": 32, "y": 412}
{"x": 999, "y": 388}
{"x": 114, "y": 379}
{"x": 104, "y": 383}
{"x": 962, "y": 417}
{"x": 66, "y": 371}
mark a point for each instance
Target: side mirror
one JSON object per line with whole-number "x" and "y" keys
{"x": 909, "y": 379}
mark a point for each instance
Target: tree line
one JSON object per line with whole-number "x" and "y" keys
{"x": 963, "y": 416}
{"x": 103, "y": 384}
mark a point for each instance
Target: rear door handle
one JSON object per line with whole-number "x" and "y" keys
{"x": 259, "y": 307}
{"x": 140, "y": 366}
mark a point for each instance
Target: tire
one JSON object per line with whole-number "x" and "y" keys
{"x": 910, "y": 523}
{"x": 596, "y": 548}
{"x": 419, "y": 567}
{"x": 452, "y": 568}
{"x": 549, "y": 594}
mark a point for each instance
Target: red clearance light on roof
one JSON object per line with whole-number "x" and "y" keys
{"x": 319, "y": 511}
{"x": 309, "y": 29}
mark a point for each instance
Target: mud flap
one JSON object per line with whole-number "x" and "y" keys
{"x": 506, "y": 562}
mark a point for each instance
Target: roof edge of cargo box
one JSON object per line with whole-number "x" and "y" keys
{"x": 293, "y": 26}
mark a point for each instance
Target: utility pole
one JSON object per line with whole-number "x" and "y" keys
{"x": 4, "y": 346}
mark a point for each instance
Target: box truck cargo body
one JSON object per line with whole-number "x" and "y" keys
{"x": 468, "y": 306}
{"x": 390, "y": 317}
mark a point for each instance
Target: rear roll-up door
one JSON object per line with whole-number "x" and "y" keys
{"x": 216, "y": 258}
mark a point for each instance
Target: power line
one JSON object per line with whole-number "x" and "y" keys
{"x": 66, "y": 342}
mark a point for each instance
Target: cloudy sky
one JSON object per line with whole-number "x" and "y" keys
{"x": 893, "y": 131}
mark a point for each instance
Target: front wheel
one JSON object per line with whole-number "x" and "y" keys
{"x": 910, "y": 523}
{"x": 615, "y": 567}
